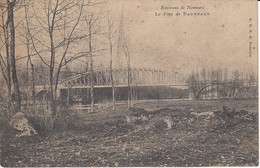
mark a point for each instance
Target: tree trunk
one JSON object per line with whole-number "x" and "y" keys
{"x": 33, "y": 84}
{"x": 52, "y": 69}
{"x": 91, "y": 69}
{"x": 111, "y": 73}
{"x": 17, "y": 97}
{"x": 128, "y": 85}
{"x": 27, "y": 81}
{"x": 8, "y": 64}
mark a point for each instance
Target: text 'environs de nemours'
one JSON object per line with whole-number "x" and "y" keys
{"x": 167, "y": 7}
{"x": 183, "y": 10}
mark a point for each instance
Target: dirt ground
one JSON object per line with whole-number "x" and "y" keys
{"x": 152, "y": 133}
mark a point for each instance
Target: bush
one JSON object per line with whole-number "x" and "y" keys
{"x": 45, "y": 124}
{"x": 64, "y": 121}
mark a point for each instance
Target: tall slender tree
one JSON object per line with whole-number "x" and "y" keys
{"x": 123, "y": 45}
{"x": 91, "y": 20}
{"x": 8, "y": 27}
{"x": 110, "y": 34}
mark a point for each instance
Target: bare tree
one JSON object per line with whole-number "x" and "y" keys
{"x": 8, "y": 27}
{"x": 110, "y": 34}
{"x": 11, "y": 30}
{"x": 5, "y": 58}
{"x": 235, "y": 84}
{"x": 51, "y": 25}
{"x": 123, "y": 44}
{"x": 129, "y": 75}
{"x": 194, "y": 85}
{"x": 91, "y": 21}
{"x": 27, "y": 42}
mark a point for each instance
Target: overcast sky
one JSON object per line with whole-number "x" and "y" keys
{"x": 186, "y": 43}
{"x": 183, "y": 43}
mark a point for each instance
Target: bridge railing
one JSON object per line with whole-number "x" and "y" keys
{"x": 138, "y": 76}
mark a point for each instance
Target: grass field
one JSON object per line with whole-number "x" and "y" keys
{"x": 159, "y": 133}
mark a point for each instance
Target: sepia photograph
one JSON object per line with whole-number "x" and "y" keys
{"x": 129, "y": 83}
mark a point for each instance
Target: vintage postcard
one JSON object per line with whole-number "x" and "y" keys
{"x": 129, "y": 83}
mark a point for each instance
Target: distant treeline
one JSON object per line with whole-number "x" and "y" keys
{"x": 216, "y": 84}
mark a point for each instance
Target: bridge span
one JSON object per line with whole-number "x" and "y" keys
{"x": 137, "y": 77}
{"x": 145, "y": 84}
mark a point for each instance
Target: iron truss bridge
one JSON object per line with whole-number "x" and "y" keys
{"x": 137, "y": 77}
